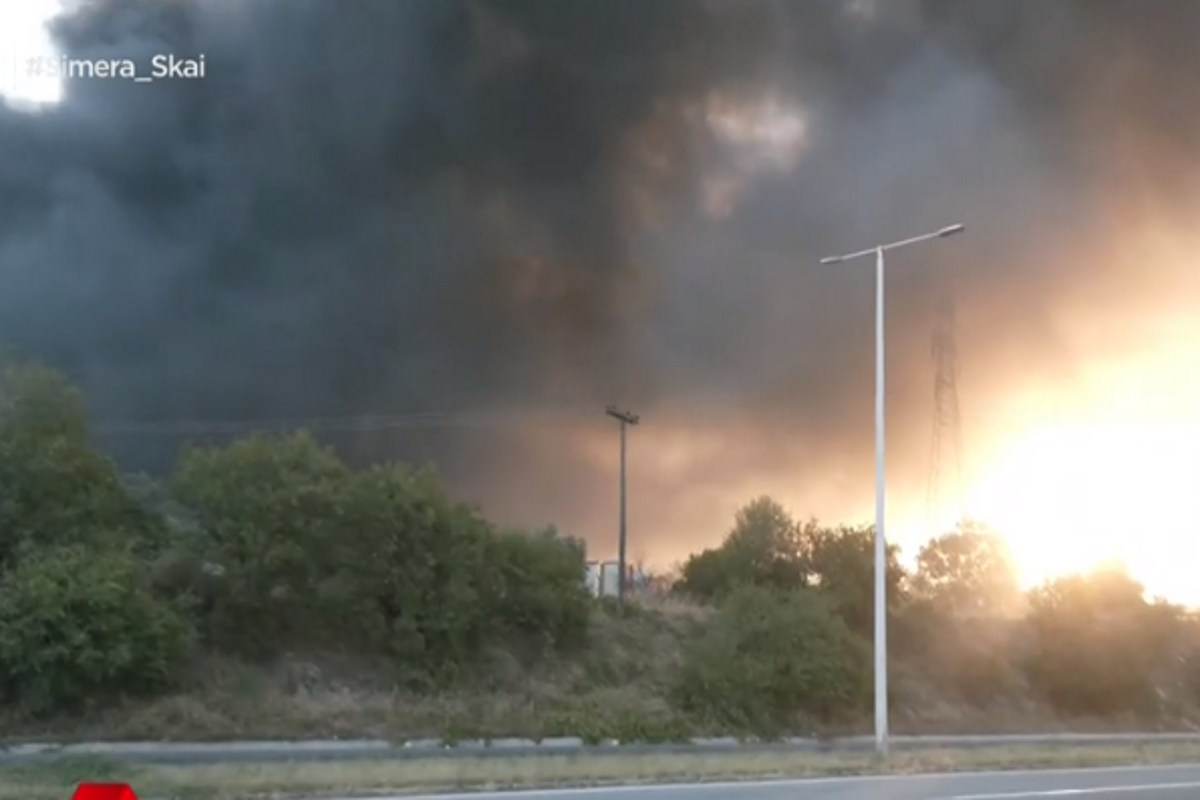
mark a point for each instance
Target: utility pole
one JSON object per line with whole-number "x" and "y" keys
{"x": 625, "y": 418}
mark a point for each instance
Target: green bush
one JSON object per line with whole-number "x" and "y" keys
{"x": 841, "y": 562}
{"x": 1094, "y": 642}
{"x": 294, "y": 550}
{"x": 272, "y": 545}
{"x": 428, "y": 582}
{"x": 771, "y": 662}
{"x": 269, "y": 512}
{"x": 1191, "y": 675}
{"x": 768, "y": 548}
{"x": 79, "y": 625}
{"x": 765, "y": 548}
{"x": 969, "y": 570}
{"x": 54, "y": 490}
{"x": 971, "y": 660}
{"x": 537, "y": 587}
{"x": 409, "y": 566}
{"x": 979, "y": 676}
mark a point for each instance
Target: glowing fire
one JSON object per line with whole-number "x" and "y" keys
{"x": 1117, "y": 481}
{"x": 1072, "y": 496}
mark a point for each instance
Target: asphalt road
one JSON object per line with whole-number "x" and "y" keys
{"x": 1122, "y": 783}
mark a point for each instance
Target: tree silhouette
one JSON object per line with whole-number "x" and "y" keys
{"x": 968, "y": 572}
{"x": 765, "y": 548}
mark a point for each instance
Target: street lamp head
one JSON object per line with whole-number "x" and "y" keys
{"x": 832, "y": 260}
{"x": 627, "y": 417}
{"x": 951, "y": 230}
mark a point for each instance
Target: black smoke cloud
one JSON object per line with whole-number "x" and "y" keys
{"x": 498, "y": 208}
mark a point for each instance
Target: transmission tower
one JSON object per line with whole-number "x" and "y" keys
{"x": 945, "y": 489}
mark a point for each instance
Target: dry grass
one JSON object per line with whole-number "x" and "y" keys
{"x": 244, "y": 781}
{"x": 325, "y": 698}
{"x": 616, "y": 685}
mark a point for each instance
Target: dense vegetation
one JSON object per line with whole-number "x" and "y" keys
{"x": 268, "y": 589}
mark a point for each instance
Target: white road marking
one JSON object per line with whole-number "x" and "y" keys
{"x": 803, "y": 783}
{"x": 1145, "y": 787}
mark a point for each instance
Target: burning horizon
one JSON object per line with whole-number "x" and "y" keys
{"x": 534, "y": 209}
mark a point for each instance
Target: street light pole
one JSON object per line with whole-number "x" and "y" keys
{"x": 881, "y": 668}
{"x": 625, "y": 418}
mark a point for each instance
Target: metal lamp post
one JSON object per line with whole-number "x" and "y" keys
{"x": 881, "y": 677}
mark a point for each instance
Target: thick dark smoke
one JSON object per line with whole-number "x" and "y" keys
{"x": 531, "y": 208}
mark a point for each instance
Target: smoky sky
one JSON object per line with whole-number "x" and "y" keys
{"x": 504, "y": 210}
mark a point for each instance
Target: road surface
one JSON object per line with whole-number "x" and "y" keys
{"x": 1121, "y": 783}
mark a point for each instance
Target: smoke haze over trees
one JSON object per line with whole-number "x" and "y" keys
{"x": 268, "y": 590}
{"x": 530, "y": 208}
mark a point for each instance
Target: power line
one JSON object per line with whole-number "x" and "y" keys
{"x": 946, "y": 432}
{"x": 367, "y": 423}
{"x": 431, "y": 420}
